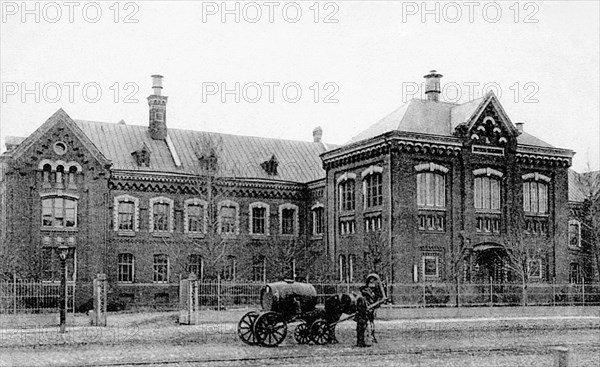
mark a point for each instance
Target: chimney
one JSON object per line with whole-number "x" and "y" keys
{"x": 317, "y": 134}
{"x": 158, "y": 110}
{"x": 520, "y": 126}
{"x": 432, "y": 85}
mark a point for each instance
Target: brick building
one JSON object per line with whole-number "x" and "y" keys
{"x": 432, "y": 190}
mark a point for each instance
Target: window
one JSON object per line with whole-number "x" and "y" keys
{"x": 59, "y": 176}
{"x": 487, "y": 193}
{"x": 431, "y": 190}
{"x": 288, "y": 216}
{"x": 51, "y": 265}
{"x": 259, "y": 218}
{"x": 347, "y": 226}
{"x": 342, "y": 268}
{"x": 574, "y": 273}
{"x": 46, "y": 175}
{"x": 318, "y": 217}
{"x": 228, "y": 217}
{"x": 195, "y": 265}
{"x": 351, "y": 262}
{"x": 346, "y": 191}
{"x": 373, "y": 223}
{"x": 229, "y": 269}
{"x": 161, "y": 215}
{"x": 126, "y": 217}
{"x": 534, "y": 268}
{"x": 535, "y": 197}
{"x": 373, "y": 189}
{"x": 125, "y": 268}
{"x": 535, "y": 193}
{"x": 431, "y": 267}
{"x": 258, "y": 269}
{"x": 194, "y": 216}
{"x": 59, "y": 212}
{"x": 574, "y": 233}
{"x": 488, "y": 224}
{"x": 161, "y": 268}
{"x": 72, "y": 180}
{"x": 126, "y": 210}
{"x": 432, "y": 221}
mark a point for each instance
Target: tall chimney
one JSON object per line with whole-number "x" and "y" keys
{"x": 520, "y": 126}
{"x": 158, "y": 110}
{"x": 317, "y": 134}
{"x": 432, "y": 85}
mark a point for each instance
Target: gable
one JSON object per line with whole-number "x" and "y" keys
{"x": 57, "y": 139}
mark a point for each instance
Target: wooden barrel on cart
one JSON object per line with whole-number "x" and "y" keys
{"x": 288, "y": 298}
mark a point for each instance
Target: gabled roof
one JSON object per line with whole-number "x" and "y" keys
{"x": 239, "y": 156}
{"x": 439, "y": 118}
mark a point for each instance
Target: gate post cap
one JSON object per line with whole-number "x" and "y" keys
{"x": 101, "y": 276}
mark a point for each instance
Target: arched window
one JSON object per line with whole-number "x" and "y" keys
{"x": 318, "y": 218}
{"x": 372, "y": 187}
{"x": 342, "y": 268}
{"x": 72, "y": 181}
{"x": 59, "y": 176}
{"x": 196, "y": 265}
{"x": 574, "y": 233}
{"x": 228, "y": 217}
{"x": 288, "y": 219}
{"x": 487, "y": 190}
{"x": 46, "y": 175}
{"x": 535, "y": 194}
{"x": 431, "y": 196}
{"x": 195, "y": 216}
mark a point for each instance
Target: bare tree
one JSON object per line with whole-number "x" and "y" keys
{"x": 378, "y": 259}
{"x": 589, "y": 215}
{"x": 525, "y": 256}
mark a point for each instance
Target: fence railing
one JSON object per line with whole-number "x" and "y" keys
{"x": 34, "y": 297}
{"x": 225, "y": 295}
{"x": 41, "y": 297}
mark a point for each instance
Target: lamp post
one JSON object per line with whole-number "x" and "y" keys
{"x": 63, "y": 254}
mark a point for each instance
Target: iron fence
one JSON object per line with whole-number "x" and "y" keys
{"x": 18, "y": 296}
{"x": 227, "y": 295}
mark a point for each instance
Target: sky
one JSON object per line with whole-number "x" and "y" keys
{"x": 279, "y": 69}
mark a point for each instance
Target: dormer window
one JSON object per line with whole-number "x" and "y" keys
{"x": 270, "y": 166}
{"x": 142, "y": 156}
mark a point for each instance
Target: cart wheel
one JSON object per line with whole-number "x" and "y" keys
{"x": 245, "y": 327}
{"x": 270, "y": 329}
{"x": 302, "y": 334}
{"x": 319, "y": 332}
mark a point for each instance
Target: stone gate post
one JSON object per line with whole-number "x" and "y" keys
{"x": 100, "y": 300}
{"x": 188, "y": 300}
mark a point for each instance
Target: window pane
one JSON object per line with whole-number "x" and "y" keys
{"x": 526, "y": 197}
{"x": 228, "y": 219}
{"x": 495, "y": 193}
{"x": 161, "y": 217}
{"x": 258, "y": 220}
{"x": 195, "y": 218}
{"x": 478, "y": 194}
{"x": 534, "y": 197}
{"x": 287, "y": 225}
{"x": 543, "y": 198}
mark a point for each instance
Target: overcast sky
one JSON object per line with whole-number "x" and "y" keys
{"x": 353, "y": 63}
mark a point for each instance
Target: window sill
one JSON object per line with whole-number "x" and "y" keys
{"x": 346, "y": 234}
{"x": 126, "y": 283}
{"x": 126, "y": 233}
{"x": 317, "y": 236}
{"x": 485, "y": 211}
{"x": 431, "y": 209}
{"x": 195, "y": 235}
{"x": 161, "y": 234}
{"x": 161, "y": 283}
{"x": 489, "y": 233}
{"x": 346, "y": 213}
{"x": 259, "y": 235}
{"x": 372, "y": 209}
{"x": 432, "y": 231}
{"x": 287, "y": 235}
{"x": 575, "y": 248}
{"x": 59, "y": 229}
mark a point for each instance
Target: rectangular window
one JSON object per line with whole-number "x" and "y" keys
{"x": 258, "y": 220}
{"x": 347, "y": 195}
{"x": 51, "y": 265}
{"x": 258, "y": 269}
{"x": 125, "y": 268}
{"x": 228, "y": 220}
{"x": 318, "y": 221}
{"x": 287, "y": 221}
{"x": 161, "y": 268}
{"x": 229, "y": 269}
{"x": 125, "y": 217}
{"x": 535, "y": 268}
{"x": 195, "y": 265}
{"x": 430, "y": 266}
{"x": 373, "y": 223}
{"x": 347, "y": 226}
{"x": 574, "y": 233}
{"x": 59, "y": 212}
{"x": 535, "y": 197}
{"x": 487, "y": 193}
{"x": 161, "y": 217}
{"x": 195, "y": 217}
{"x": 574, "y": 275}
{"x": 374, "y": 190}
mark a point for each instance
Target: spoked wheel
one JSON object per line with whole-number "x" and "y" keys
{"x": 302, "y": 334}
{"x": 270, "y": 329}
{"x": 319, "y": 332}
{"x": 245, "y": 327}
